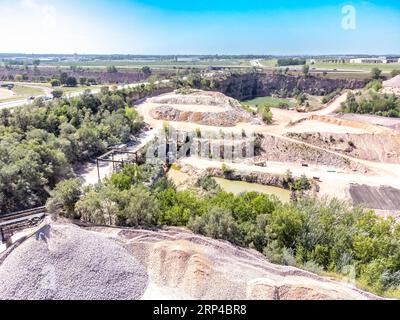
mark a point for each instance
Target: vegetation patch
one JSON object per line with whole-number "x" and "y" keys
{"x": 386, "y": 105}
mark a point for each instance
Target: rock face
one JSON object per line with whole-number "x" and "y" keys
{"x": 112, "y": 263}
{"x": 250, "y": 85}
{"x": 278, "y": 149}
{"x": 372, "y": 147}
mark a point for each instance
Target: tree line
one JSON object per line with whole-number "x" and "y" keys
{"x": 41, "y": 142}
{"x": 386, "y": 105}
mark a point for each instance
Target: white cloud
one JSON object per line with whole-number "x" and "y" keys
{"x": 46, "y": 12}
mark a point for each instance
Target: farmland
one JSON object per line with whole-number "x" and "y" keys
{"x": 162, "y": 64}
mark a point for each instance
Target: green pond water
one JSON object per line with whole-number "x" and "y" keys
{"x": 237, "y": 187}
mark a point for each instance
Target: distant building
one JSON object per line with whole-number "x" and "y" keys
{"x": 187, "y": 59}
{"x": 368, "y": 60}
{"x": 375, "y": 60}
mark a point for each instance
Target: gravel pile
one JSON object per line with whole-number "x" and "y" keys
{"x": 66, "y": 262}
{"x": 392, "y": 83}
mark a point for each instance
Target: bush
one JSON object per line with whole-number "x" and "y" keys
{"x": 141, "y": 209}
{"x": 372, "y": 103}
{"x": 329, "y": 97}
{"x": 217, "y": 223}
{"x": 395, "y": 72}
{"x": 64, "y": 196}
{"x": 57, "y": 94}
{"x": 375, "y": 84}
{"x": 55, "y": 83}
{"x": 209, "y": 184}
{"x": 265, "y": 113}
{"x": 376, "y": 73}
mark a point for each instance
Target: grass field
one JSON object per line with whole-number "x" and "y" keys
{"x": 76, "y": 89}
{"x": 271, "y": 101}
{"x": 22, "y": 92}
{"x": 387, "y": 68}
{"x": 269, "y": 63}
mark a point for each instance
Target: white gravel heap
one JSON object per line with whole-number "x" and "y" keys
{"x": 64, "y": 262}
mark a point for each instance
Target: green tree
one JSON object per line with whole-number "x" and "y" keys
{"x": 141, "y": 209}
{"x": 63, "y": 78}
{"x": 57, "y": 94}
{"x": 83, "y": 81}
{"x": 55, "y": 82}
{"x": 306, "y": 69}
{"x": 65, "y": 195}
{"x": 376, "y": 73}
{"x": 217, "y": 223}
{"x": 99, "y": 206}
{"x": 112, "y": 69}
{"x": 71, "y": 82}
{"x": 146, "y": 70}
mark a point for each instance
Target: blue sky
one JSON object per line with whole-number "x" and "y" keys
{"x": 198, "y": 27}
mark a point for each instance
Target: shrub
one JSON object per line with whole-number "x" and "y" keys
{"x": 217, "y": 223}
{"x": 141, "y": 208}
{"x": 209, "y": 184}
{"x": 65, "y": 195}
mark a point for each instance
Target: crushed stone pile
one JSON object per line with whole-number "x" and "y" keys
{"x": 65, "y": 262}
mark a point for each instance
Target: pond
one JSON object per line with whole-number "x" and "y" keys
{"x": 237, "y": 187}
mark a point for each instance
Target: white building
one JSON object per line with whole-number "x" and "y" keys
{"x": 369, "y": 60}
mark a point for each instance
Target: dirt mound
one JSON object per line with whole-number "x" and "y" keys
{"x": 68, "y": 263}
{"x": 222, "y": 119}
{"x": 380, "y": 198}
{"x": 191, "y": 266}
{"x": 201, "y": 107}
{"x": 391, "y": 123}
{"x": 112, "y": 263}
{"x": 392, "y": 83}
{"x": 350, "y": 123}
{"x": 196, "y": 97}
